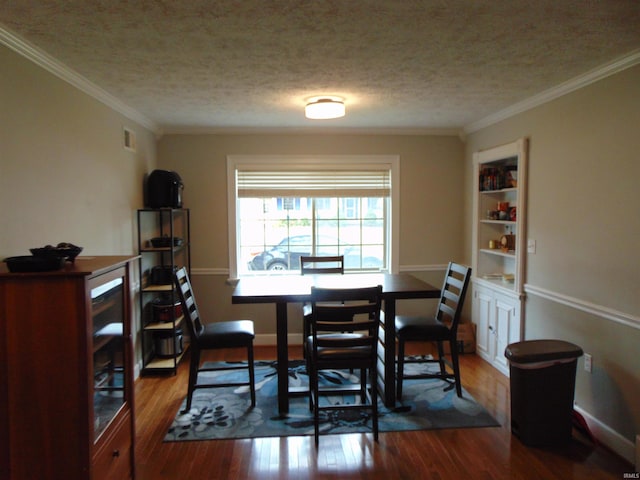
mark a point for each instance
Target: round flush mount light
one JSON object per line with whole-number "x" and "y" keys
{"x": 324, "y": 108}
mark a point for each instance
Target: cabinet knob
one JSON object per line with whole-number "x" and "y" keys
{"x": 116, "y": 453}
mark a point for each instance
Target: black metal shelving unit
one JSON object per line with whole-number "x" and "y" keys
{"x": 161, "y": 319}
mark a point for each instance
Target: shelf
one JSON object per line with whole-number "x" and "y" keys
{"x": 161, "y": 249}
{"x": 496, "y": 283}
{"x": 502, "y": 190}
{"x": 168, "y": 363}
{"x": 100, "y": 307}
{"x": 158, "y": 288}
{"x": 155, "y": 326}
{"x": 500, "y": 222}
{"x": 499, "y": 252}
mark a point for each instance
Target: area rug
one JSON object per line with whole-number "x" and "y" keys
{"x": 225, "y": 413}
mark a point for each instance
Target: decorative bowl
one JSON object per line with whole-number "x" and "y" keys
{"x": 28, "y": 263}
{"x": 66, "y": 251}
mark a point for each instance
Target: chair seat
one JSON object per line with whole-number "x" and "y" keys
{"x": 337, "y": 353}
{"x": 231, "y": 334}
{"x": 417, "y": 328}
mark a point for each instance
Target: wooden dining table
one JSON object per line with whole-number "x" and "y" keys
{"x": 283, "y": 289}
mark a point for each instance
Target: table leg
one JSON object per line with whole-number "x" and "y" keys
{"x": 283, "y": 357}
{"x": 389, "y": 393}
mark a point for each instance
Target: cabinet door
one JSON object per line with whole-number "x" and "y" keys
{"x": 483, "y": 309}
{"x": 109, "y": 348}
{"x": 507, "y": 328}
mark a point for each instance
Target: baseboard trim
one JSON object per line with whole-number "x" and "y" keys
{"x": 609, "y": 437}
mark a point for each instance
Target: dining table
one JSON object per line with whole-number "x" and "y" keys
{"x": 284, "y": 289}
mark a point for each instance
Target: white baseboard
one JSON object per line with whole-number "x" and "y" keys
{"x": 609, "y": 437}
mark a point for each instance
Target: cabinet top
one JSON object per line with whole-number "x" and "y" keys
{"x": 82, "y": 266}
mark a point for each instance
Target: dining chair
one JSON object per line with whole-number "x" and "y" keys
{"x": 443, "y": 327}
{"x": 321, "y": 264}
{"x": 314, "y": 265}
{"x": 334, "y": 312}
{"x": 213, "y": 336}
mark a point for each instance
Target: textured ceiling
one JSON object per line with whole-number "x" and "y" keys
{"x": 404, "y": 64}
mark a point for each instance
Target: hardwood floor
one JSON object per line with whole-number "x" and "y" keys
{"x": 479, "y": 453}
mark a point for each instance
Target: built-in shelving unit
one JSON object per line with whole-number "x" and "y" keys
{"x": 499, "y": 245}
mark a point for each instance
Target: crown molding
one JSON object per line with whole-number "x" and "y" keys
{"x": 65, "y": 73}
{"x": 569, "y": 86}
{"x": 448, "y": 132}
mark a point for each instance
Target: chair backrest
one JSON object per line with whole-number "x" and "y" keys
{"x": 453, "y": 294}
{"x": 189, "y": 306}
{"x": 321, "y": 264}
{"x": 337, "y": 310}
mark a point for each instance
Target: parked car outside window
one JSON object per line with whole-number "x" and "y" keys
{"x": 286, "y": 254}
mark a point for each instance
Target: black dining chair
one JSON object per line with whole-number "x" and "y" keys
{"x": 443, "y": 327}
{"x": 334, "y": 312}
{"x": 213, "y": 336}
{"x": 316, "y": 265}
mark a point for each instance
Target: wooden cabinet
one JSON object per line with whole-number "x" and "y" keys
{"x": 164, "y": 245}
{"x": 499, "y": 249}
{"x": 66, "y": 406}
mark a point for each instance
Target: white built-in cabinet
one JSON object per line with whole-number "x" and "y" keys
{"x": 499, "y": 249}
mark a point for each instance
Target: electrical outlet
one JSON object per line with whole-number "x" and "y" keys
{"x": 587, "y": 362}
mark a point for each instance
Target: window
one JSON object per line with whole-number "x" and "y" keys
{"x": 284, "y": 207}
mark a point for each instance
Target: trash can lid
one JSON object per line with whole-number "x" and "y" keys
{"x": 531, "y": 351}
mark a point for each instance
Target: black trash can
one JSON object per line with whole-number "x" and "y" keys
{"x": 543, "y": 376}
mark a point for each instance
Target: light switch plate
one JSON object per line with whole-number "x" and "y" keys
{"x": 531, "y": 246}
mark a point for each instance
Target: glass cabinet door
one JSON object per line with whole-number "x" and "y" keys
{"x": 107, "y": 313}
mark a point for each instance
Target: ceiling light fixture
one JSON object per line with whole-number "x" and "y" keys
{"x": 324, "y": 108}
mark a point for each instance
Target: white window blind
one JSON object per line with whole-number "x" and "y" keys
{"x": 368, "y": 182}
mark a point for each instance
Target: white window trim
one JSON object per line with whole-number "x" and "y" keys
{"x": 236, "y": 161}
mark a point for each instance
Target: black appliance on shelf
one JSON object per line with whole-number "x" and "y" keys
{"x": 164, "y": 189}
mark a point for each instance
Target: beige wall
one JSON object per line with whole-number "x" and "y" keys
{"x": 584, "y": 213}
{"x": 431, "y": 223}
{"x": 64, "y": 175}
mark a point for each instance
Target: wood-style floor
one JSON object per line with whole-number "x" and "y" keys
{"x": 479, "y": 453}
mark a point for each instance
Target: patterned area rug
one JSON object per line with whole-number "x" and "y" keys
{"x": 224, "y": 413}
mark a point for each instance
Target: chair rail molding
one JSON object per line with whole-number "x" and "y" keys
{"x": 588, "y": 307}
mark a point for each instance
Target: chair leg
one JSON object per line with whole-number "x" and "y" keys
{"x": 306, "y": 331}
{"x": 443, "y": 369}
{"x": 316, "y": 411}
{"x": 252, "y": 384}
{"x": 456, "y": 366}
{"x": 374, "y": 401}
{"x": 311, "y": 375}
{"x": 400, "y": 374}
{"x": 363, "y": 385}
{"x": 194, "y": 365}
